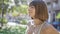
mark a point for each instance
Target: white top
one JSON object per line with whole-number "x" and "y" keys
{"x": 35, "y": 29}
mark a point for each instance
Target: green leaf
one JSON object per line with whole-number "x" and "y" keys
{"x": 58, "y": 16}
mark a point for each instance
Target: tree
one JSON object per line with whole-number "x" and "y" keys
{"x": 12, "y": 6}
{"x": 58, "y": 16}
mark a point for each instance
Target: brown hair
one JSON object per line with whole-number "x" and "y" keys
{"x": 41, "y": 11}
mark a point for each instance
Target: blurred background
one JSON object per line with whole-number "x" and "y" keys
{"x": 14, "y": 15}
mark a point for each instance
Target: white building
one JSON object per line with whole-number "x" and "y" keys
{"x": 53, "y": 8}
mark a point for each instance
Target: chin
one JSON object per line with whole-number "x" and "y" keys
{"x": 31, "y": 17}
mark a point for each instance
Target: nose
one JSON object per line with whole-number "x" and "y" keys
{"x": 29, "y": 9}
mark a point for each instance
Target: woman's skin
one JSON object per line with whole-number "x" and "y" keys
{"x": 31, "y": 10}
{"x": 47, "y": 29}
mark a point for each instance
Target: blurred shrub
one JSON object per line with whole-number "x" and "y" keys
{"x": 3, "y": 20}
{"x": 24, "y": 22}
{"x": 13, "y": 30}
{"x": 15, "y": 13}
{"x": 58, "y": 16}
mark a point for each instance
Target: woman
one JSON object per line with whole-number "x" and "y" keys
{"x": 38, "y": 12}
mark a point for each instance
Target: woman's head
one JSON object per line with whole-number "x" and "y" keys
{"x": 38, "y": 9}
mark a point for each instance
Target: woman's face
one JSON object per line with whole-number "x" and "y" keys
{"x": 31, "y": 11}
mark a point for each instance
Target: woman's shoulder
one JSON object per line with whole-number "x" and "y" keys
{"x": 49, "y": 29}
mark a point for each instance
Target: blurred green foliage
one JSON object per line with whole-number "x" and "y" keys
{"x": 3, "y": 20}
{"x": 4, "y": 5}
{"x": 21, "y": 8}
{"x": 13, "y": 30}
{"x": 24, "y": 22}
{"x": 58, "y": 16}
{"x": 15, "y": 10}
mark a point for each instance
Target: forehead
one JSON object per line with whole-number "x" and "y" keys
{"x": 31, "y": 7}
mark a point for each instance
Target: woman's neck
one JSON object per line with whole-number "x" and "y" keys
{"x": 37, "y": 22}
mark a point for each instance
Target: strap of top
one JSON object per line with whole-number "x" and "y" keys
{"x": 41, "y": 28}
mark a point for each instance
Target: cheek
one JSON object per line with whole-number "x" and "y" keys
{"x": 34, "y": 11}
{"x": 33, "y": 14}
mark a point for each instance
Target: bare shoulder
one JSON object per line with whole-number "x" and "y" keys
{"x": 50, "y": 29}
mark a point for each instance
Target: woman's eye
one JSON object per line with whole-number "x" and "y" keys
{"x": 32, "y": 7}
